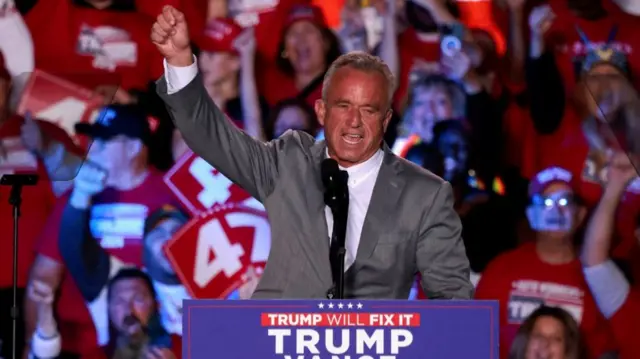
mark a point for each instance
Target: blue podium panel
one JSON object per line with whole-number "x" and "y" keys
{"x": 349, "y": 329}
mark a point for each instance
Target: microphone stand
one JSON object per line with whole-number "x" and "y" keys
{"x": 15, "y": 199}
{"x": 340, "y": 217}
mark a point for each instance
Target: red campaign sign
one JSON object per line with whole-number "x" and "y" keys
{"x": 200, "y": 187}
{"x": 64, "y": 103}
{"x": 214, "y": 253}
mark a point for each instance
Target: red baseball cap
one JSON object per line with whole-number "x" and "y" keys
{"x": 545, "y": 178}
{"x": 309, "y": 13}
{"x": 4, "y": 73}
{"x": 219, "y": 35}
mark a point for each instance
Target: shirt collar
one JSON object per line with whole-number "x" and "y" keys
{"x": 361, "y": 170}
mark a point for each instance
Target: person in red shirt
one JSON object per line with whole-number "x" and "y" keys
{"x": 546, "y": 271}
{"x": 306, "y": 50}
{"x": 133, "y": 315}
{"x": 227, "y": 62}
{"x": 616, "y": 299}
{"x": 577, "y": 135}
{"x": 18, "y": 156}
{"x": 98, "y": 44}
{"x": 119, "y": 190}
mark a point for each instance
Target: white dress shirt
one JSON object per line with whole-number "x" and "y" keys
{"x": 362, "y": 177}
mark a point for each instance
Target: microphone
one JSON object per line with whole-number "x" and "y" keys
{"x": 336, "y": 196}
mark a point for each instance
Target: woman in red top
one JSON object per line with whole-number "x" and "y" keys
{"x": 306, "y": 50}
{"x": 619, "y": 303}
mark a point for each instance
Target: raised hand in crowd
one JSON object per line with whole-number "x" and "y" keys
{"x": 619, "y": 172}
{"x": 540, "y": 21}
{"x": 170, "y": 34}
{"x": 457, "y": 67}
{"x": 91, "y": 180}
{"x": 246, "y": 44}
{"x": 352, "y": 32}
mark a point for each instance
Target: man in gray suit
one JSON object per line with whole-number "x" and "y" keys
{"x": 400, "y": 219}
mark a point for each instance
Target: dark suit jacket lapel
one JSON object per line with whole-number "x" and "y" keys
{"x": 381, "y": 214}
{"x": 318, "y": 245}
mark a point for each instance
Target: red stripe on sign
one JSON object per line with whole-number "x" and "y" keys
{"x": 340, "y": 319}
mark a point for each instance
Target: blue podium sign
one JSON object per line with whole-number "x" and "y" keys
{"x": 349, "y": 329}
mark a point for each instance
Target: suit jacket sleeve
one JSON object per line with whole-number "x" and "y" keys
{"x": 441, "y": 255}
{"x": 246, "y": 161}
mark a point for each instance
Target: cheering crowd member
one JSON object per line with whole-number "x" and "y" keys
{"x": 21, "y": 152}
{"x": 306, "y": 50}
{"x": 546, "y": 271}
{"x": 355, "y": 111}
{"x": 118, "y": 190}
{"x": 227, "y": 62}
{"x": 133, "y": 315}
{"x": 92, "y": 267}
{"x": 616, "y": 298}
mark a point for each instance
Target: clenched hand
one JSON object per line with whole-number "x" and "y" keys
{"x": 171, "y": 36}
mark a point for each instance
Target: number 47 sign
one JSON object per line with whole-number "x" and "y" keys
{"x": 214, "y": 251}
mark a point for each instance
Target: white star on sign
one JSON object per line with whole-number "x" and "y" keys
{"x": 359, "y": 305}
{"x": 340, "y": 305}
{"x": 321, "y": 305}
{"x": 330, "y": 305}
{"x": 350, "y": 306}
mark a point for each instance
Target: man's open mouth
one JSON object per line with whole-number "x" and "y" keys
{"x": 352, "y": 139}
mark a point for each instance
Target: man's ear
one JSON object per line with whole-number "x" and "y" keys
{"x": 387, "y": 119}
{"x": 321, "y": 110}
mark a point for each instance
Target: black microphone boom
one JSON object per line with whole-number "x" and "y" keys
{"x": 336, "y": 196}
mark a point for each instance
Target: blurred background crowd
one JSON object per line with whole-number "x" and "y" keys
{"x": 529, "y": 108}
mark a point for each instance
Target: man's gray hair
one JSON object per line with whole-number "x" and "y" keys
{"x": 362, "y": 61}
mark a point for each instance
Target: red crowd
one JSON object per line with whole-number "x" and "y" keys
{"x": 529, "y": 108}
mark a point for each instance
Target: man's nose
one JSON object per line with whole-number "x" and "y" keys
{"x": 355, "y": 119}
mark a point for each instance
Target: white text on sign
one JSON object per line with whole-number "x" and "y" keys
{"x": 372, "y": 344}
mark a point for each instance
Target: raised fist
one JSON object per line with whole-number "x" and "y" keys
{"x": 171, "y": 36}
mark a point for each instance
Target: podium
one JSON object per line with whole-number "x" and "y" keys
{"x": 345, "y": 329}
